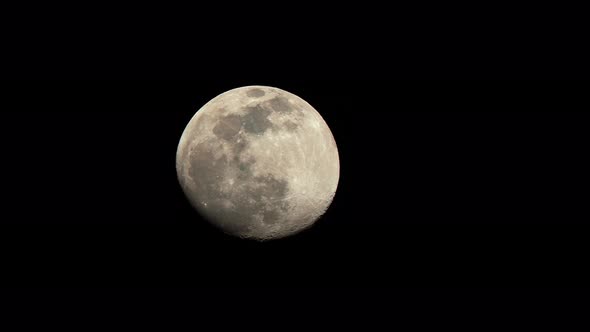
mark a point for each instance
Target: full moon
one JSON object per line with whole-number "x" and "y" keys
{"x": 259, "y": 163}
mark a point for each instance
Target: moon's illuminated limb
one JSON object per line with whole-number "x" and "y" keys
{"x": 258, "y": 162}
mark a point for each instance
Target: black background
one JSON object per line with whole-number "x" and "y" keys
{"x": 460, "y": 202}
{"x": 443, "y": 184}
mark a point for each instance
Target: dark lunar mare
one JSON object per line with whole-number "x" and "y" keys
{"x": 256, "y": 119}
{"x": 228, "y": 127}
{"x": 255, "y": 93}
{"x": 251, "y": 195}
{"x": 280, "y": 104}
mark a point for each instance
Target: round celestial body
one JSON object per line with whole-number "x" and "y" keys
{"x": 258, "y": 162}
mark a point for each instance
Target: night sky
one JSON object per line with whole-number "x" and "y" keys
{"x": 463, "y": 193}
{"x": 443, "y": 184}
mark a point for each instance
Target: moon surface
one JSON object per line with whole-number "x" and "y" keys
{"x": 258, "y": 162}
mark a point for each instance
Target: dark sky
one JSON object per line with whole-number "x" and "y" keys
{"x": 443, "y": 183}
{"x": 463, "y": 192}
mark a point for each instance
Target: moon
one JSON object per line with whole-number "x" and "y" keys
{"x": 259, "y": 163}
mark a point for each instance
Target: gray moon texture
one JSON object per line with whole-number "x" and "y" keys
{"x": 259, "y": 163}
